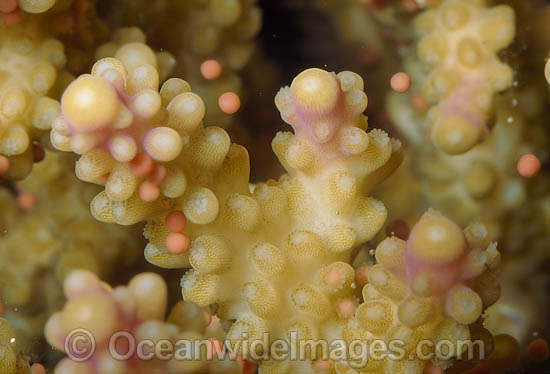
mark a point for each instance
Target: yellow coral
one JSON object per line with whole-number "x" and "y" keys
{"x": 11, "y": 362}
{"x": 29, "y": 85}
{"x": 459, "y": 42}
{"x": 137, "y": 309}
{"x": 59, "y": 235}
{"x": 274, "y": 259}
{"x": 411, "y": 298}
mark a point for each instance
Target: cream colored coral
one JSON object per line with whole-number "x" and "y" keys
{"x": 275, "y": 259}
{"x": 11, "y": 362}
{"x": 164, "y": 63}
{"x": 123, "y": 128}
{"x": 38, "y": 249}
{"x": 547, "y": 71}
{"x": 482, "y": 184}
{"x": 434, "y": 286}
{"x": 138, "y": 309}
{"x": 459, "y": 42}
{"x": 31, "y": 67}
{"x": 200, "y": 31}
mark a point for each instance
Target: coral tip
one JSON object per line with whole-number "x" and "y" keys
{"x": 177, "y": 243}
{"x": 537, "y": 350}
{"x": 176, "y": 221}
{"x": 229, "y": 102}
{"x": 528, "y": 165}
{"x": 400, "y": 82}
{"x": 4, "y": 165}
{"x": 211, "y": 69}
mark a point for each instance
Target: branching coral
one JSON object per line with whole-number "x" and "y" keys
{"x": 482, "y": 184}
{"x": 434, "y": 286}
{"x": 30, "y": 79}
{"x": 201, "y": 30}
{"x": 114, "y": 118}
{"x": 274, "y": 260}
{"x": 59, "y": 235}
{"x": 138, "y": 309}
{"x": 459, "y": 42}
{"x": 11, "y": 362}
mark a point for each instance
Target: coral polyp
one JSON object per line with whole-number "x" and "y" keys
{"x": 409, "y": 297}
{"x": 459, "y": 42}
{"x": 29, "y": 85}
{"x": 139, "y": 309}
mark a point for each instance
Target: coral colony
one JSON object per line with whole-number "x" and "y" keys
{"x": 403, "y": 232}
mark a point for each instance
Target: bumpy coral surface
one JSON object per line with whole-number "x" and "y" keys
{"x": 11, "y": 362}
{"x": 30, "y": 79}
{"x": 223, "y": 31}
{"x": 41, "y": 247}
{"x": 124, "y": 129}
{"x": 482, "y": 184}
{"x": 459, "y": 41}
{"x": 275, "y": 259}
{"x": 433, "y": 286}
{"x": 138, "y": 309}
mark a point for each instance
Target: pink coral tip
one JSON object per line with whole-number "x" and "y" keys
{"x": 142, "y": 165}
{"x": 400, "y": 82}
{"x": 4, "y": 165}
{"x": 529, "y": 165}
{"x": 176, "y": 221}
{"x": 177, "y": 243}
{"x": 229, "y": 102}
{"x": 148, "y": 191}
{"x": 38, "y": 369}
{"x": 26, "y": 201}
{"x": 211, "y": 69}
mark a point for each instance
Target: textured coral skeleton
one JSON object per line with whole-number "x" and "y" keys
{"x": 126, "y": 204}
